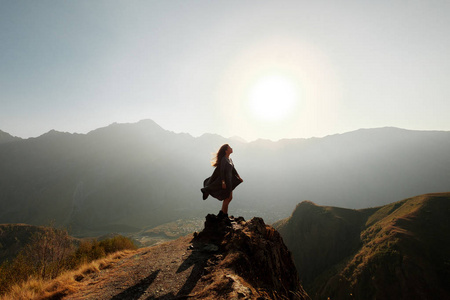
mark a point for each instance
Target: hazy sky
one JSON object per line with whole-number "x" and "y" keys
{"x": 256, "y": 69}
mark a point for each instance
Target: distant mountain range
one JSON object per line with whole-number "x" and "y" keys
{"x": 125, "y": 177}
{"x": 397, "y": 251}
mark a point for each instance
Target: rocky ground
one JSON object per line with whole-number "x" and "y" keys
{"x": 229, "y": 259}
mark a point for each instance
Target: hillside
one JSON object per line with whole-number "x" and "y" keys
{"x": 128, "y": 177}
{"x": 234, "y": 259}
{"x": 13, "y": 237}
{"x": 397, "y": 251}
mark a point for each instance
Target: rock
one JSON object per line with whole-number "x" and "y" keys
{"x": 253, "y": 257}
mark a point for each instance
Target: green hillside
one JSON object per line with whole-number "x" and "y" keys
{"x": 397, "y": 251}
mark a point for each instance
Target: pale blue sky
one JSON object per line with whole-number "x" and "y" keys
{"x": 189, "y": 65}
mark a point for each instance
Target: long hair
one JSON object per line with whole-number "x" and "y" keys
{"x": 219, "y": 155}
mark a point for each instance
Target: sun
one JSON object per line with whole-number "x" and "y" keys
{"x": 272, "y": 98}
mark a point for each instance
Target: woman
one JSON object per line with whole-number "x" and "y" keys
{"x": 223, "y": 181}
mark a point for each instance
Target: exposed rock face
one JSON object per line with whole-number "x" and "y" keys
{"x": 251, "y": 261}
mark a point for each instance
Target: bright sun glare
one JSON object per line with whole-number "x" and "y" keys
{"x": 272, "y": 98}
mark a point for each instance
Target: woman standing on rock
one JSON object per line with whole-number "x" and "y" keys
{"x": 223, "y": 181}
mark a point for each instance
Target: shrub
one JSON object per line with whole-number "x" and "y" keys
{"x": 87, "y": 252}
{"x": 45, "y": 257}
{"x": 117, "y": 243}
{"x": 51, "y": 252}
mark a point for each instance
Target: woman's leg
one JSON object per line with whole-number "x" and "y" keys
{"x": 226, "y": 202}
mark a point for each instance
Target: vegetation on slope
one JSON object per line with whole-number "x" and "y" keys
{"x": 50, "y": 252}
{"x": 398, "y": 251}
{"x": 66, "y": 283}
{"x": 14, "y": 237}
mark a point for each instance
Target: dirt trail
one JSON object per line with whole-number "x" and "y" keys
{"x": 166, "y": 271}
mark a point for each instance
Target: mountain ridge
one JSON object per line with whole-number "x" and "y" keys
{"x": 7, "y": 138}
{"x": 236, "y": 138}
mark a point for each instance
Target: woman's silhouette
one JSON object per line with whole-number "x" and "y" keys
{"x": 224, "y": 179}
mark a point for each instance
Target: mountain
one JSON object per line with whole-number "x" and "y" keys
{"x": 367, "y": 167}
{"x": 127, "y": 177}
{"x": 7, "y": 138}
{"x": 121, "y": 177}
{"x": 228, "y": 259}
{"x": 396, "y": 251}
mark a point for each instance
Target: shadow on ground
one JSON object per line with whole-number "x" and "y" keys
{"x": 138, "y": 289}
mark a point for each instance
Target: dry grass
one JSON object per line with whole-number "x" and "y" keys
{"x": 64, "y": 284}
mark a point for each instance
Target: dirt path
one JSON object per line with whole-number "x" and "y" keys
{"x": 167, "y": 271}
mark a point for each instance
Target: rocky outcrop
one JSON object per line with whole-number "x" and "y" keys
{"x": 250, "y": 261}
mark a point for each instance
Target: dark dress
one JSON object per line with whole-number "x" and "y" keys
{"x": 224, "y": 171}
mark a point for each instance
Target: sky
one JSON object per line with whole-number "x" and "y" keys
{"x": 253, "y": 69}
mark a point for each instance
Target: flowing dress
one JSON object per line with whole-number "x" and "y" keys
{"x": 224, "y": 171}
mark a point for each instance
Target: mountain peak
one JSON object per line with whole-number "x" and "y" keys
{"x": 7, "y": 138}
{"x": 238, "y": 139}
{"x": 52, "y": 132}
{"x": 149, "y": 123}
{"x": 141, "y": 128}
{"x": 231, "y": 258}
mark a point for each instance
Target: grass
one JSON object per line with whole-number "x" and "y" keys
{"x": 396, "y": 231}
{"x": 65, "y": 284}
{"x": 51, "y": 253}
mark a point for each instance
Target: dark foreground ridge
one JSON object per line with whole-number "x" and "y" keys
{"x": 229, "y": 259}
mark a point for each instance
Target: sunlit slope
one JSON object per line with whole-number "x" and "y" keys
{"x": 398, "y": 251}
